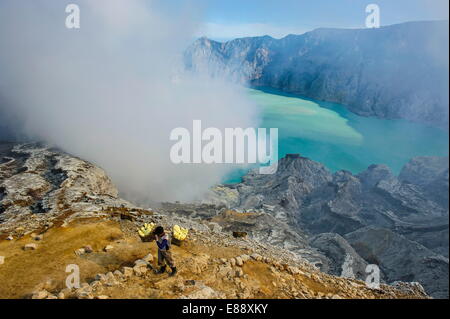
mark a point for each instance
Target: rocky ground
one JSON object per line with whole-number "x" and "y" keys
{"x": 57, "y": 210}
{"x": 115, "y": 263}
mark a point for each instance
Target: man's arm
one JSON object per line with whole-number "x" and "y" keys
{"x": 163, "y": 245}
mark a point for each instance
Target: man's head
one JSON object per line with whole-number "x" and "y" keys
{"x": 159, "y": 230}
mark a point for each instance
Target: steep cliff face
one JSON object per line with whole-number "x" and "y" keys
{"x": 400, "y": 71}
{"x": 401, "y": 211}
{"x": 402, "y": 259}
{"x": 39, "y": 185}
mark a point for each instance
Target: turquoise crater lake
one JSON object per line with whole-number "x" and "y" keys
{"x": 341, "y": 140}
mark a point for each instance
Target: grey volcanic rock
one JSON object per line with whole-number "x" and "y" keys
{"x": 431, "y": 174}
{"x": 438, "y": 189}
{"x": 287, "y": 189}
{"x": 338, "y": 251}
{"x": 398, "y": 71}
{"x": 374, "y": 174}
{"x": 424, "y": 170}
{"x": 401, "y": 259}
{"x": 374, "y": 197}
{"x": 38, "y": 184}
{"x": 435, "y": 238}
{"x": 311, "y": 201}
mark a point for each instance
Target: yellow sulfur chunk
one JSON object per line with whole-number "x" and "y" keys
{"x": 179, "y": 233}
{"x": 146, "y": 230}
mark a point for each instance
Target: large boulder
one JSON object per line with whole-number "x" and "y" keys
{"x": 339, "y": 255}
{"x": 401, "y": 259}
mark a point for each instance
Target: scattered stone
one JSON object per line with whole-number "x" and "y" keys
{"x": 36, "y": 237}
{"x": 95, "y": 284}
{"x": 239, "y": 261}
{"x": 30, "y": 247}
{"x": 148, "y": 258}
{"x": 239, "y": 272}
{"x": 102, "y": 297}
{"x": 85, "y": 295}
{"x": 80, "y": 251}
{"x": 111, "y": 280}
{"x": 204, "y": 293}
{"x": 409, "y": 287}
{"x": 256, "y": 257}
{"x": 100, "y": 277}
{"x": 67, "y": 292}
{"x": 192, "y": 282}
{"x": 2, "y": 260}
{"x": 88, "y": 249}
{"x": 138, "y": 271}
{"x": 49, "y": 224}
{"x": 140, "y": 263}
{"x": 10, "y": 238}
{"x": 127, "y": 216}
{"x": 108, "y": 248}
{"x": 51, "y": 296}
{"x": 85, "y": 287}
{"x": 179, "y": 287}
{"x": 127, "y": 271}
{"x": 49, "y": 284}
{"x": 239, "y": 234}
{"x": 42, "y": 294}
{"x": 293, "y": 270}
{"x": 225, "y": 271}
{"x": 233, "y": 262}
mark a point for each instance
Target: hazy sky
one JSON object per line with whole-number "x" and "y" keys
{"x": 237, "y": 18}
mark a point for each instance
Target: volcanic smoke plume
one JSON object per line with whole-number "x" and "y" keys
{"x": 112, "y": 91}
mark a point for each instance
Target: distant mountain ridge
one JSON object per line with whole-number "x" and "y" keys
{"x": 398, "y": 71}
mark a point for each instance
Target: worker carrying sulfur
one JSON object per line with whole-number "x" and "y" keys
{"x": 164, "y": 253}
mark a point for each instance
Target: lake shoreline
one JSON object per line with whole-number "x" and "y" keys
{"x": 333, "y": 135}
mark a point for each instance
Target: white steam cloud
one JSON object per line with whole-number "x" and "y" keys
{"x": 112, "y": 91}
